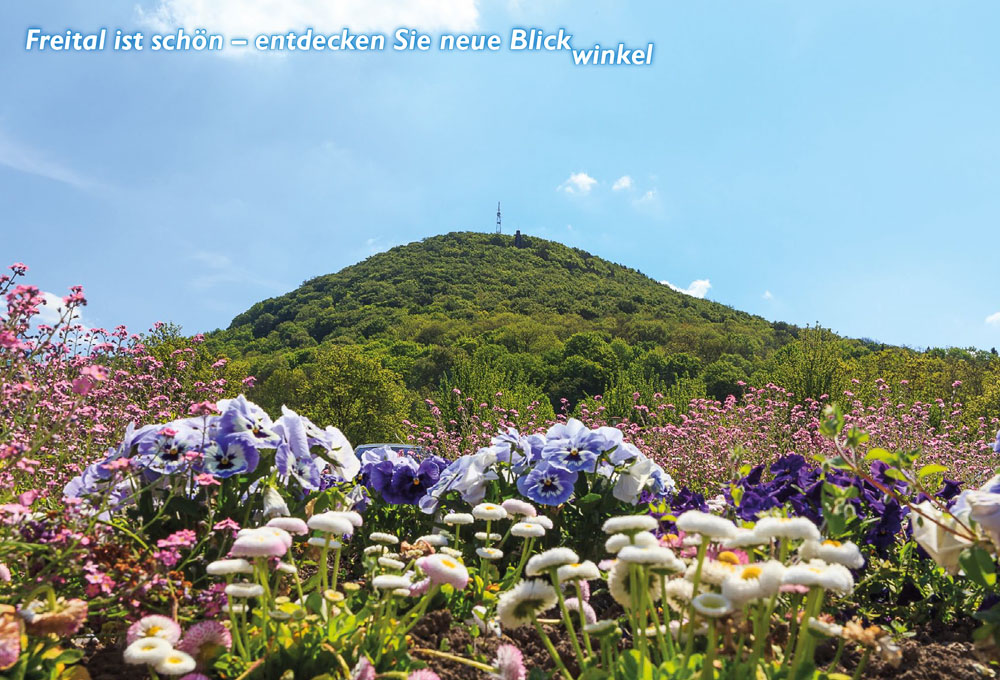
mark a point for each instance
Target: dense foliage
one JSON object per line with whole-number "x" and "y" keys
{"x": 541, "y": 323}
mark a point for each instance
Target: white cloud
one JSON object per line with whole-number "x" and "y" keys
{"x": 578, "y": 183}
{"x": 699, "y": 288}
{"x": 647, "y": 197}
{"x": 216, "y": 270}
{"x": 50, "y": 313}
{"x": 622, "y": 183}
{"x": 767, "y": 295}
{"x": 993, "y": 319}
{"x": 239, "y": 18}
{"x": 23, "y": 158}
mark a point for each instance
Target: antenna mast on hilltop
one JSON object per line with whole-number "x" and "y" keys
{"x": 498, "y": 217}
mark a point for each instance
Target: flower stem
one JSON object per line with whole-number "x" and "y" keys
{"x": 552, "y": 651}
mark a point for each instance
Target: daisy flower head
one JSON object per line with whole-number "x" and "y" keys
{"x": 544, "y": 521}
{"x": 550, "y": 559}
{"x": 578, "y": 571}
{"x": 154, "y": 625}
{"x": 834, "y": 552}
{"x": 244, "y": 590}
{"x": 797, "y": 528}
{"x": 705, "y": 524}
{"x": 678, "y": 593}
{"x": 205, "y": 640}
{"x": 643, "y": 539}
{"x": 147, "y": 650}
{"x": 574, "y": 605}
{"x": 630, "y": 524}
{"x": 292, "y": 525}
{"x": 489, "y": 511}
{"x": 451, "y": 552}
{"x": 391, "y": 563}
{"x": 230, "y": 566}
{"x": 175, "y": 662}
{"x": 527, "y": 530}
{"x": 491, "y": 554}
{"x": 434, "y": 540}
{"x": 423, "y": 674}
{"x": 515, "y": 507}
{"x": 331, "y": 523}
{"x": 634, "y": 554}
{"x": 458, "y": 518}
{"x": 391, "y": 582}
{"x": 712, "y": 605}
{"x": 483, "y": 536}
{"x": 620, "y": 584}
{"x": 509, "y": 663}
{"x": 753, "y": 581}
{"x": 381, "y": 537}
{"x": 522, "y": 604}
{"x": 743, "y": 538}
{"x": 257, "y": 543}
{"x": 816, "y": 573}
{"x": 442, "y": 569}
{"x": 324, "y": 542}
{"x": 713, "y": 572}
{"x": 63, "y": 618}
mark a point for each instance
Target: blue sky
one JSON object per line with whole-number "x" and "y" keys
{"x": 827, "y": 160}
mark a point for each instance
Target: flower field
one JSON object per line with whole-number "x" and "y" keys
{"x": 156, "y": 521}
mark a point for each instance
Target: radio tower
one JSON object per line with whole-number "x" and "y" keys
{"x": 498, "y": 217}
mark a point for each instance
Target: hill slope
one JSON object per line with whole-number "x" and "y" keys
{"x": 472, "y": 281}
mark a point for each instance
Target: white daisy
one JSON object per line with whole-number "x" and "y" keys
{"x": 787, "y": 527}
{"x": 390, "y": 563}
{"x": 491, "y": 554}
{"x": 630, "y": 524}
{"x": 380, "y": 537}
{"x": 287, "y": 568}
{"x": 678, "y": 593}
{"x": 325, "y": 541}
{"x": 753, "y": 581}
{"x": 331, "y": 523}
{"x": 743, "y": 538}
{"x": 175, "y": 662}
{"x": 459, "y": 518}
{"x": 390, "y": 582}
{"x": 847, "y": 554}
{"x": 522, "y": 604}
{"x": 619, "y": 580}
{"x": 555, "y": 557}
{"x": 481, "y": 536}
{"x": 634, "y": 554}
{"x": 835, "y": 577}
{"x": 231, "y": 566}
{"x": 519, "y": 508}
{"x": 527, "y": 530}
{"x": 147, "y": 650}
{"x": 713, "y": 572}
{"x": 544, "y": 521}
{"x": 712, "y": 605}
{"x": 834, "y": 630}
{"x": 489, "y": 511}
{"x": 436, "y": 540}
{"x": 582, "y": 571}
{"x": 451, "y": 552}
{"x": 243, "y": 590}
{"x": 376, "y": 550}
{"x": 711, "y": 526}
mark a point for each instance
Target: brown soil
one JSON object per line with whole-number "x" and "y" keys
{"x": 936, "y": 652}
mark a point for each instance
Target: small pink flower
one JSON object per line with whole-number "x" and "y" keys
{"x": 510, "y": 663}
{"x": 205, "y": 479}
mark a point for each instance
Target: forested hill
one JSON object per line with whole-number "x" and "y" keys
{"x": 514, "y": 324}
{"x": 467, "y": 284}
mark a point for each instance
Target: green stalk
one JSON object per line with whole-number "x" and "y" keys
{"x": 583, "y": 619}
{"x": 552, "y": 651}
{"x": 695, "y": 582}
{"x": 708, "y": 664}
{"x": 567, "y": 619}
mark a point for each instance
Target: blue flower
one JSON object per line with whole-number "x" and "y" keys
{"x": 574, "y": 447}
{"x": 164, "y": 451}
{"x": 231, "y": 455}
{"x": 249, "y": 420}
{"x": 548, "y": 483}
{"x": 409, "y": 485}
{"x": 292, "y": 457}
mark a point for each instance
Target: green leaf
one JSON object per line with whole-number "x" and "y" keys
{"x": 931, "y": 469}
{"x": 979, "y": 566}
{"x": 589, "y": 499}
{"x": 880, "y": 454}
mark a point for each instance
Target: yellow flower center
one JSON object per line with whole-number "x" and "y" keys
{"x": 835, "y": 544}
{"x": 174, "y": 659}
{"x": 448, "y": 563}
{"x": 751, "y": 573}
{"x": 728, "y": 557}
{"x": 671, "y": 537}
{"x": 575, "y": 565}
{"x": 153, "y": 630}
